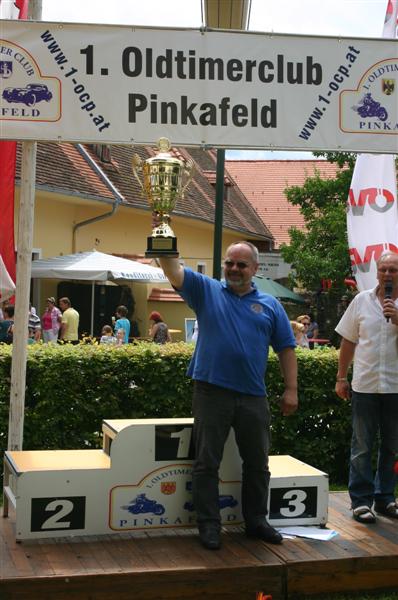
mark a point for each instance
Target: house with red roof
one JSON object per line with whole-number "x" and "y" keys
{"x": 264, "y": 182}
{"x": 87, "y": 197}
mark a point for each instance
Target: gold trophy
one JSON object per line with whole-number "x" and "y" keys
{"x": 164, "y": 180}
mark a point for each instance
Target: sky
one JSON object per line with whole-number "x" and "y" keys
{"x": 350, "y": 18}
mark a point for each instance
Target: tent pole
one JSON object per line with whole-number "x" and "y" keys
{"x": 92, "y": 309}
{"x": 218, "y": 214}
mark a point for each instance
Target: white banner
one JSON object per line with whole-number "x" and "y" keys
{"x": 372, "y": 217}
{"x": 114, "y": 84}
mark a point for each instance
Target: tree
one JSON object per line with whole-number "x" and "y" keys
{"x": 321, "y": 251}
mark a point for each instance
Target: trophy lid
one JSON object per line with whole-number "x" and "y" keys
{"x": 163, "y": 155}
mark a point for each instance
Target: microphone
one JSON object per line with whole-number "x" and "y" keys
{"x": 388, "y": 293}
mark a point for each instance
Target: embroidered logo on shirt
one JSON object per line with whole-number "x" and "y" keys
{"x": 257, "y": 308}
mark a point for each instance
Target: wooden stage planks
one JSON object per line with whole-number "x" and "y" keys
{"x": 172, "y": 565}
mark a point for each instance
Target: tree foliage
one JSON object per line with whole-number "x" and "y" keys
{"x": 321, "y": 251}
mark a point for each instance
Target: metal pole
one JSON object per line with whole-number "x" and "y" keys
{"x": 23, "y": 274}
{"x": 92, "y": 309}
{"x": 218, "y": 214}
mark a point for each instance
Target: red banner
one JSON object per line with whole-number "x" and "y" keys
{"x": 7, "y": 182}
{"x": 7, "y": 179}
{"x": 23, "y": 8}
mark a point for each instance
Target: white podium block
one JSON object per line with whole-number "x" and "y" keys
{"x": 142, "y": 478}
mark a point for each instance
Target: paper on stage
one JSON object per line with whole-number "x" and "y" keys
{"x": 313, "y": 533}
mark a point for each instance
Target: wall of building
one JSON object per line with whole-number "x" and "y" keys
{"x": 125, "y": 232}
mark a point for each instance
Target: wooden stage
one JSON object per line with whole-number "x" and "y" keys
{"x": 172, "y": 565}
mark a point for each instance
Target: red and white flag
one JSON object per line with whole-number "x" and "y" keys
{"x": 9, "y": 9}
{"x": 372, "y": 214}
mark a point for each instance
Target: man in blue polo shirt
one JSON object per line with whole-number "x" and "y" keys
{"x": 237, "y": 324}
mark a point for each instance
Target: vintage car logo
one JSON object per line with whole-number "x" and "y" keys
{"x": 29, "y": 95}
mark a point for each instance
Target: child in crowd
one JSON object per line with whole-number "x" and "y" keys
{"x": 107, "y": 336}
{"x": 122, "y": 322}
{"x": 120, "y": 337}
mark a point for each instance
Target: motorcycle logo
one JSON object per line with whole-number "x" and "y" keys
{"x": 388, "y": 86}
{"x": 5, "y": 69}
{"x": 168, "y": 487}
{"x": 368, "y": 107}
{"x": 142, "y": 504}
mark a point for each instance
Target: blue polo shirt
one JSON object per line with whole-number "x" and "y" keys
{"x": 235, "y": 333}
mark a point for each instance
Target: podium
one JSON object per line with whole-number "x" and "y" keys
{"x": 142, "y": 479}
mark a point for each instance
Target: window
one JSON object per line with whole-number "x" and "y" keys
{"x": 201, "y": 267}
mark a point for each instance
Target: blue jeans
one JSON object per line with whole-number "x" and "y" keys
{"x": 373, "y": 414}
{"x": 215, "y": 411}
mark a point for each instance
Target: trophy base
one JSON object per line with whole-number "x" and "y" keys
{"x": 161, "y": 246}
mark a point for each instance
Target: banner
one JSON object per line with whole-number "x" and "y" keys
{"x": 372, "y": 217}
{"x": 10, "y": 10}
{"x": 116, "y": 84}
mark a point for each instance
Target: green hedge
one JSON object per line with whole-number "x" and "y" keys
{"x": 71, "y": 389}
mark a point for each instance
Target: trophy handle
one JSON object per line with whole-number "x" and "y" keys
{"x": 189, "y": 171}
{"x": 136, "y": 165}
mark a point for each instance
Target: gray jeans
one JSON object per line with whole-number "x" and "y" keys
{"x": 215, "y": 411}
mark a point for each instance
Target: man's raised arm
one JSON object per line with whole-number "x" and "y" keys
{"x": 173, "y": 271}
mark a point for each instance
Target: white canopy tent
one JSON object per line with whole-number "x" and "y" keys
{"x": 96, "y": 266}
{"x": 7, "y": 286}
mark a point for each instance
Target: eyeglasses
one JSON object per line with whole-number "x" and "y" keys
{"x": 388, "y": 270}
{"x": 305, "y": 323}
{"x": 231, "y": 263}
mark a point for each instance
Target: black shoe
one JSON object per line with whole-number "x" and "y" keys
{"x": 209, "y": 536}
{"x": 389, "y": 510}
{"x": 264, "y": 531}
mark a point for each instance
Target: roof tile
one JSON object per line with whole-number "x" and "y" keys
{"x": 263, "y": 182}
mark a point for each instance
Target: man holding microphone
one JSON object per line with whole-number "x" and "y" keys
{"x": 369, "y": 330}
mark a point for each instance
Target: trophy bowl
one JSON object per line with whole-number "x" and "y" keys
{"x": 163, "y": 179}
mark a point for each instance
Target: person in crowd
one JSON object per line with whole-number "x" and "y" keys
{"x": 120, "y": 337}
{"x": 107, "y": 336}
{"x": 51, "y": 321}
{"x": 369, "y": 330}
{"x": 69, "y": 331}
{"x": 6, "y": 325}
{"x": 313, "y": 329}
{"x": 158, "y": 331}
{"x": 122, "y": 322}
{"x": 34, "y": 326}
{"x": 300, "y": 337}
{"x": 306, "y": 321}
{"x": 2, "y": 307}
{"x": 237, "y": 324}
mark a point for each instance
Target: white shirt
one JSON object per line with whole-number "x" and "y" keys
{"x": 376, "y": 353}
